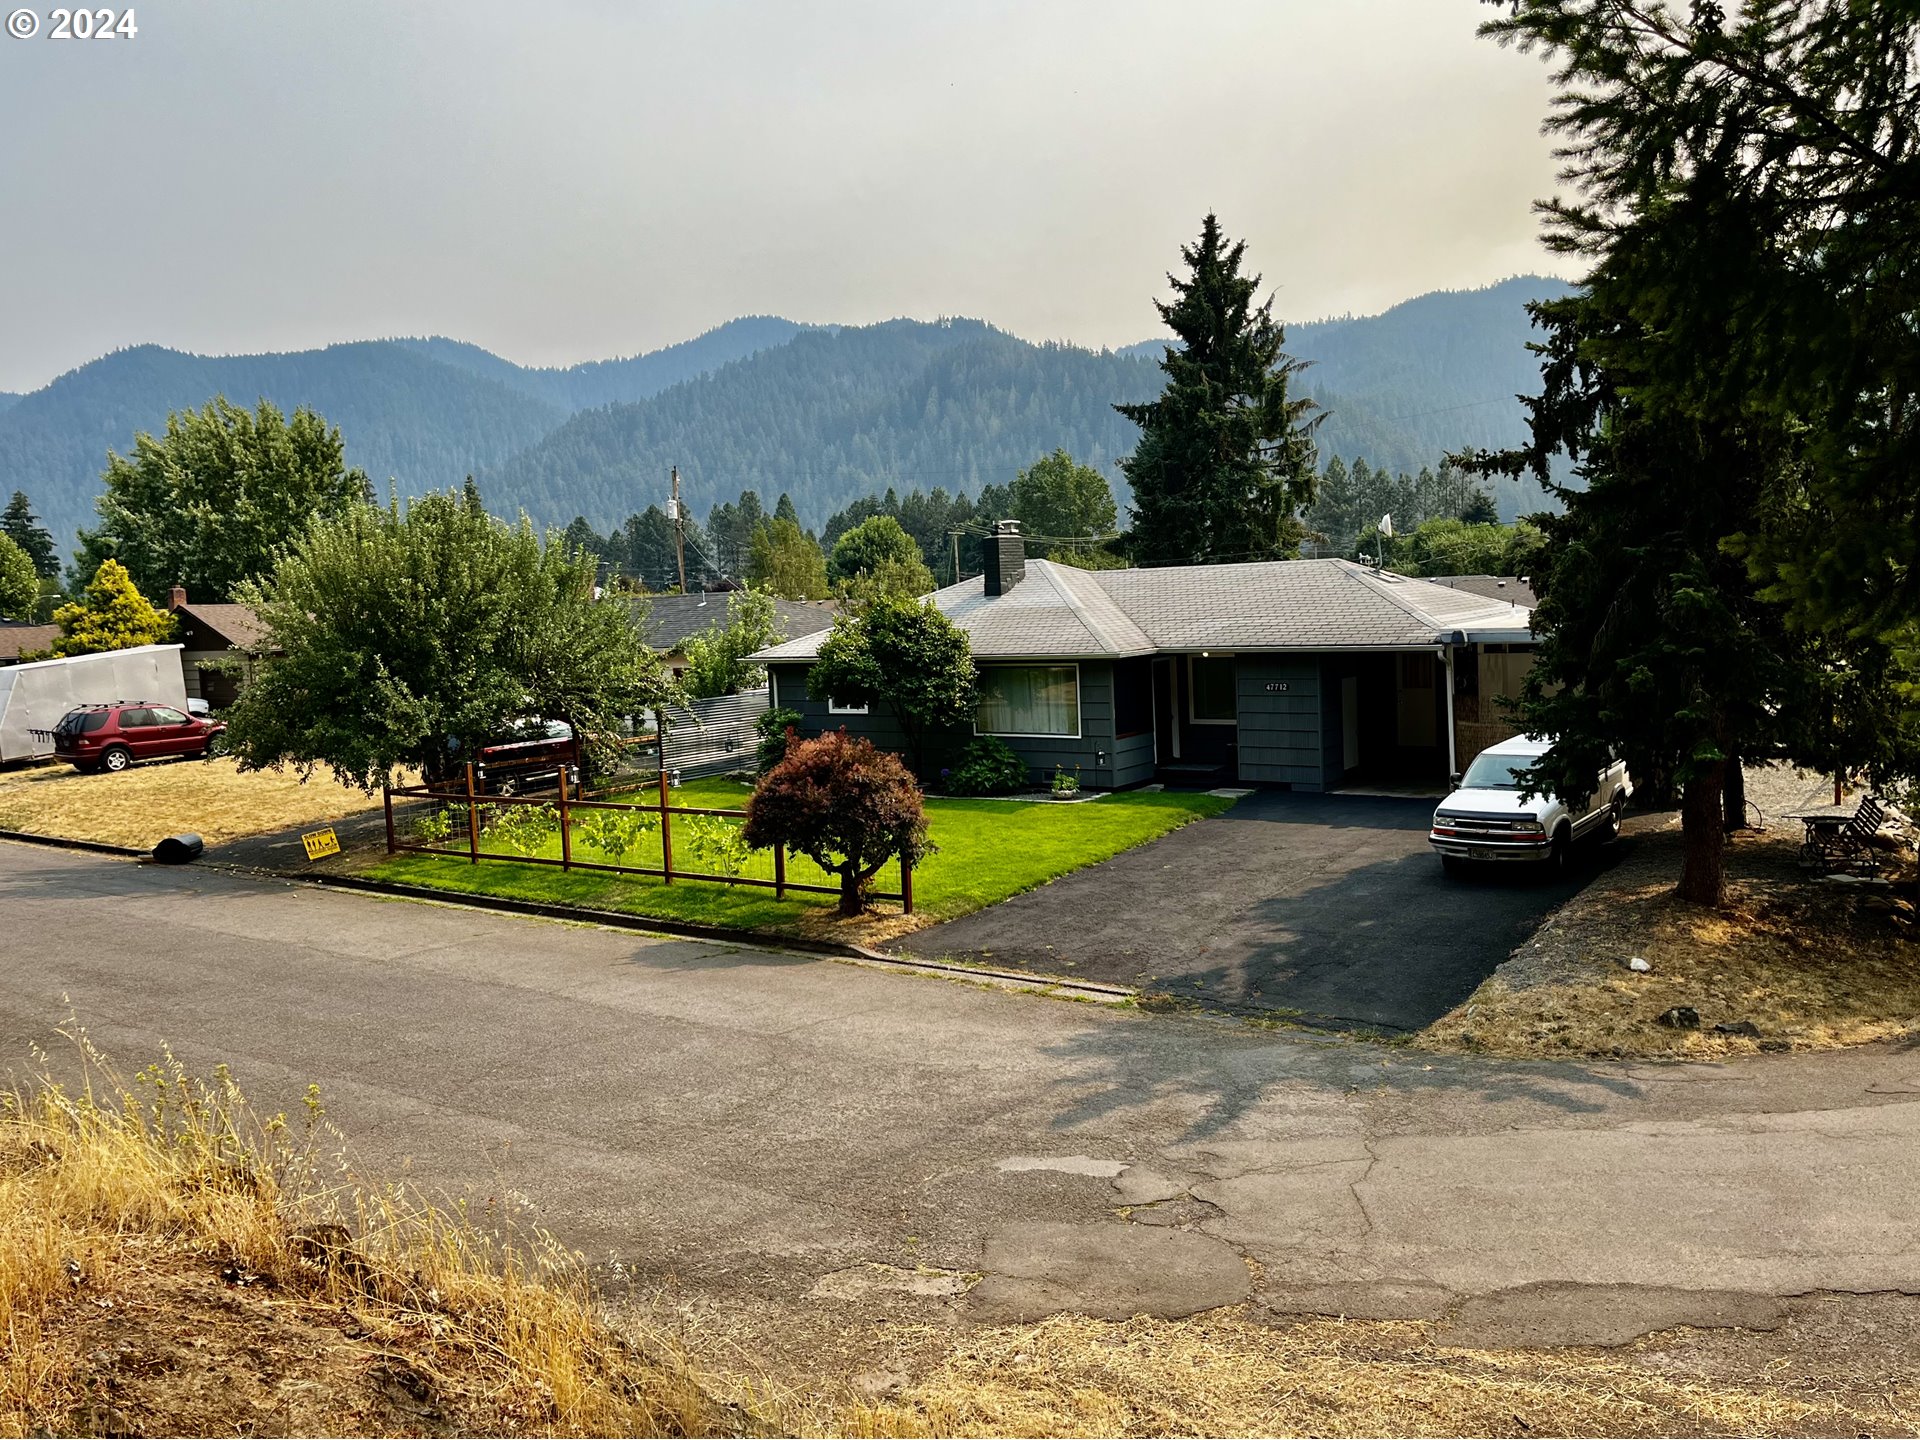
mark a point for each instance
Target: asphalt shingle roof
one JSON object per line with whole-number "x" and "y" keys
{"x": 238, "y": 623}
{"x": 1059, "y": 612}
{"x": 671, "y": 620}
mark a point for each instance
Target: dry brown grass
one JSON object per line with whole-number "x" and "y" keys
{"x": 167, "y": 1264}
{"x": 1809, "y": 965}
{"x": 1229, "y": 1373}
{"x": 149, "y": 802}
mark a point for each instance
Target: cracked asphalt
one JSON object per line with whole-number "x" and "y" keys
{"x": 750, "y": 1124}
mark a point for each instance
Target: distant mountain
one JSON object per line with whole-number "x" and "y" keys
{"x": 7, "y": 401}
{"x": 825, "y": 414}
{"x": 608, "y": 382}
{"x": 832, "y": 415}
{"x": 1435, "y": 373}
{"x": 425, "y": 413}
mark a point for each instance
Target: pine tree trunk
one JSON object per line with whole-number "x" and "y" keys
{"x": 1703, "y": 870}
{"x": 1734, "y": 795}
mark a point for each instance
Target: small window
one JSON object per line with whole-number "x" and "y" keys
{"x": 163, "y": 716}
{"x": 136, "y": 719}
{"x": 1210, "y": 690}
{"x": 834, "y": 707}
{"x": 1029, "y": 700}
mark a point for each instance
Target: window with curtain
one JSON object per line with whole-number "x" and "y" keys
{"x": 1028, "y": 700}
{"x": 1213, "y": 698}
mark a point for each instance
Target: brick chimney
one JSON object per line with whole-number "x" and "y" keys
{"x": 176, "y": 597}
{"x": 1006, "y": 557}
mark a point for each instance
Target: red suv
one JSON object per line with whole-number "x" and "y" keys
{"x": 112, "y": 737}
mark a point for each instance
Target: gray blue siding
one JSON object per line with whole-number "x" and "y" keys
{"x": 1281, "y": 733}
{"x": 1102, "y": 762}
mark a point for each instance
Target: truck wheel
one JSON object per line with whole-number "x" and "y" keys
{"x": 1610, "y": 830}
{"x": 1560, "y": 854}
{"x": 115, "y": 759}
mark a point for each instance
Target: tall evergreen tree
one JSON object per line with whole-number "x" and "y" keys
{"x": 1226, "y": 456}
{"x": 20, "y": 525}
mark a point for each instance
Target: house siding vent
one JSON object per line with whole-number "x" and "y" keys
{"x": 1006, "y": 557}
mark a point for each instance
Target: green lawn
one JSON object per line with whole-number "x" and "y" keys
{"x": 988, "y": 850}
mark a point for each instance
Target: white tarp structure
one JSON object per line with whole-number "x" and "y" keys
{"x": 34, "y": 696}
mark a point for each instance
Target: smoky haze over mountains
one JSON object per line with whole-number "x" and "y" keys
{"x": 825, "y": 414}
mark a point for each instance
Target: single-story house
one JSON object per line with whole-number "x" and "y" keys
{"x": 672, "y": 620}
{"x": 18, "y": 638}
{"x": 1308, "y": 674}
{"x": 217, "y": 632}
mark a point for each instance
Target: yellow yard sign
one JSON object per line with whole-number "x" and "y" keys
{"x": 321, "y": 842}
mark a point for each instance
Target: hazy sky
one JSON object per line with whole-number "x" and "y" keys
{"x": 562, "y": 180}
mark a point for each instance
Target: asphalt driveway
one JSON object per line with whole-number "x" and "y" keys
{"x": 1330, "y": 907}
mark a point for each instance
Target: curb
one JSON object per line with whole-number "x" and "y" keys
{"x": 621, "y": 920}
{"x": 60, "y": 842}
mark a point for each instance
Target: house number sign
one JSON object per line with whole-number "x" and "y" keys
{"x": 1276, "y": 687}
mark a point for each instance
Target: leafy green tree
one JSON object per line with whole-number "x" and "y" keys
{"x": 787, "y": 561}
{"x": 208, "y": 502}
{"x": 903, "y": 655}
{"x": 874, "y": 545}
{"x": 410, "y": 637}
{"x": 19, "y": 524}
{"x": 900, "y": 577}
{"x": 111, "y": 614}
{"x": 846, "y": 806}
{"x": 1058, "y": 499}
{"x": 1226, "y": 456}
{"x": 19, "y": 582}
{"x": 1447, "y": 546}
{"x": 716, "y": 660}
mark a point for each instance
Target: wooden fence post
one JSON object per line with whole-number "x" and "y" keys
{"x": 566, "y": 838}
{"x": 473, "y": 819}
{"x": 906, "y": 885}
{"x": 779, "y": 872}
{"x": 666, "y": 824}
{"x": 386, "y": 796}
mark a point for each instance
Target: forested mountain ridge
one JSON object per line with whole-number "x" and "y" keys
{"x": 834, "y": 415}
{"x": 825, "y": 414}
{"x": 609, "y": 382}
{"x": 404, "y": 416}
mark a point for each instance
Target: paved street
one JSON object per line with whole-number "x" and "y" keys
{"x": 759, "y": 1124}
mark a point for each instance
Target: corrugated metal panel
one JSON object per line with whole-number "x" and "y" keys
{"x": 713, "y": 737}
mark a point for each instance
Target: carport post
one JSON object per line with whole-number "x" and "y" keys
{"x": 1453, "y": 747}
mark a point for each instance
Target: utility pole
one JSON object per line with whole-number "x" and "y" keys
{"x": 679, "y": 531}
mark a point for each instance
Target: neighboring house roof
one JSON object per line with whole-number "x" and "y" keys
{"x": 1059, "y": 612}
{"x": 238, "y": 625}
{"x": 18, "y": 637}
{"x": 672, "y": 620}
{"x": 1514, "y": 589}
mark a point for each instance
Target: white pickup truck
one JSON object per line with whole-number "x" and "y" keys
{"x": 1484, "y": 819}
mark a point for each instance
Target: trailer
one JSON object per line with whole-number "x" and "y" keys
{"x": 34, "y": 696}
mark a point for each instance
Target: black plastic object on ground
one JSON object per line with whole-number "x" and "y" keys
{"x": 179, "y": 849}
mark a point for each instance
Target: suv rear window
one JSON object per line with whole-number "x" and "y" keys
{"x": 80, "y": 722}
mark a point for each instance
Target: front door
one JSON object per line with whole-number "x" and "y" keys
{"x": 1349, "y": 722}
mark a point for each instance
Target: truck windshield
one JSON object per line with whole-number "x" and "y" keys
{"x": 1495, "y": 772}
